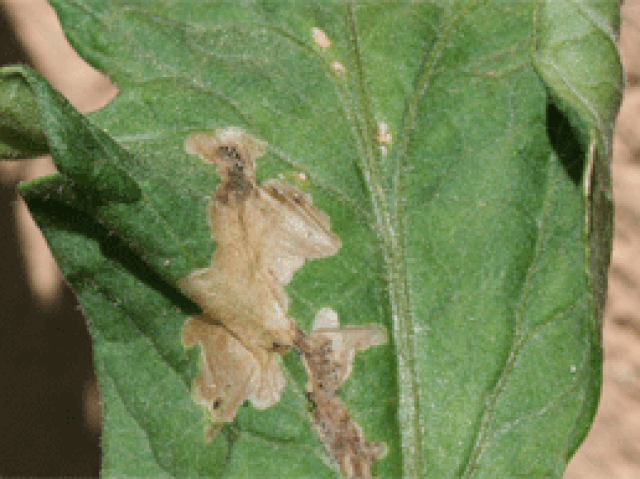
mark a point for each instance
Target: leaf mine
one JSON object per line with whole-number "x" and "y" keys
{"x": 265, "y": 233}
{"x": 328, "y": 354}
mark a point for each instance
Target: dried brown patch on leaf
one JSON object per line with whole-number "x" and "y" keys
{"x": 230, "y": 373}
{"x": 328, "y": 354}
{"x": 264, "y": 234}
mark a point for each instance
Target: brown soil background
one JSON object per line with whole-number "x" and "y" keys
{"x": 49, "y": 403}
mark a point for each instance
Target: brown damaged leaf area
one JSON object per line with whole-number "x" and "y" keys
{"x": 328, "y": 354}
{"x": 264, "y": 234}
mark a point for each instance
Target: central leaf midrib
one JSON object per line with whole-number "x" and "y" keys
{"x": 390, "y": 225}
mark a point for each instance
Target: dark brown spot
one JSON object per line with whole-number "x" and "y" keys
{"x": 232, "y": 155}
{"x": 276, "y": 191}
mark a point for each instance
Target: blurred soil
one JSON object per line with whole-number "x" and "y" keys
{"x": 50, "y": 410}
{"x": 612, "y": 449}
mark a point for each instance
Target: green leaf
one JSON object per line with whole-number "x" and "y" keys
{"x": 479, "y": 235}
{"x": 21, "y": 129}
